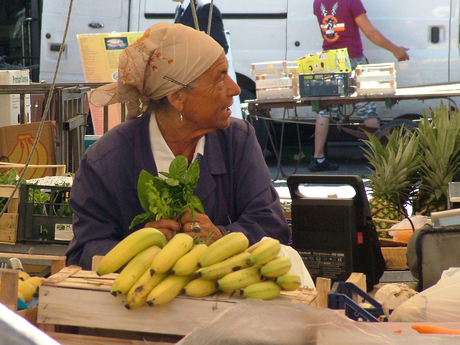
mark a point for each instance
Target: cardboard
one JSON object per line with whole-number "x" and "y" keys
{"x": 336, "y": 60}
{"x": 16, "y": 143}
{"x": 10, "y": 105}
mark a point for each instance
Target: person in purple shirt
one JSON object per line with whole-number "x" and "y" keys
{"x": 175, "y": 83}
{"x": 340, "y": 23}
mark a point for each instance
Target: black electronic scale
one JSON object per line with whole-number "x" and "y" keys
{"x": 332, "y": 235}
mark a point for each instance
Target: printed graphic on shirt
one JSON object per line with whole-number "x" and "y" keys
{"x": 329, "y": 26}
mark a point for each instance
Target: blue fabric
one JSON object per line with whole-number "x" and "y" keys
{"x": 235, "y": 187}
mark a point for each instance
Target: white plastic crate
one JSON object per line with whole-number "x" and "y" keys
{"x": 274, "y": 68}
{"x": 375, "y": 79}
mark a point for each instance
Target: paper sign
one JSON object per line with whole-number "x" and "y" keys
{"x": 99, "y": 55}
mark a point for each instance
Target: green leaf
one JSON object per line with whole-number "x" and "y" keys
{"x": 178, "y": 167}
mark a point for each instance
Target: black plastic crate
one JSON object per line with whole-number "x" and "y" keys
{"x": 44, "y": 214}
{"x": 324, "y": 84}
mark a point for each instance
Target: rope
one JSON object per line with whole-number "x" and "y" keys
{"x": 45, "y": 112}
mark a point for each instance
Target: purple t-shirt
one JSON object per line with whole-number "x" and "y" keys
{"x": 336, "y": 19}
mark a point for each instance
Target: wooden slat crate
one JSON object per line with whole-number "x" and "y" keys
{"x": 75, "y": 297}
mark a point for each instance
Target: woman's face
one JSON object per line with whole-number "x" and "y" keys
{"x": 208, "y": 102}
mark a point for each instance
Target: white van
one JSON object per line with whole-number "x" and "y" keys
{"x": 273, "y": 30}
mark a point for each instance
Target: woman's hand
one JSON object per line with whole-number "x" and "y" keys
{"x": 166, "y": 226}
{"x": 200, "y": 227}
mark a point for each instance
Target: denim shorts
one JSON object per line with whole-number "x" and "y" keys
{"x": 367, "y": 110}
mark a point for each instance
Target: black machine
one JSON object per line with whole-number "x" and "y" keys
{"x": 335, "y": 236}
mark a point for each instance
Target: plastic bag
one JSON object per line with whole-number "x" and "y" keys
{"x": 438, "y": 303}
{"x": 394, "y": 295}
{"x": 298, "y": 267}
{"x": 281, "y": 322}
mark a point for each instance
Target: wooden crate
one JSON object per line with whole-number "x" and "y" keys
{"x": 376, "y": 79}
{"x": 9, "y": 220}
{"x": 75, "y": 297}
{"x": 395, "y": 258}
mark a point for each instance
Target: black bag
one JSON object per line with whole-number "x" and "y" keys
{"x": 430, "y": 251}
{"x": 335, "y": 236}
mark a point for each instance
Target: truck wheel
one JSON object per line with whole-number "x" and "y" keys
{"x": 384, "y": 132}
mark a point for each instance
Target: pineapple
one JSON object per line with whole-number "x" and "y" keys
{"x": 440, "y": 151}
{"x": 393, "y": 177}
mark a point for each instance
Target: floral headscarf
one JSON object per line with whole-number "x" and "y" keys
{"x": 158, "y": 64}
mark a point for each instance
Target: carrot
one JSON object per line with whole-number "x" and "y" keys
{"x": 422, "y": 328}
{"x": 397, "y": 331}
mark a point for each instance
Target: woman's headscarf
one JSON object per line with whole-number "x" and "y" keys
{"x": 167, "y": 57}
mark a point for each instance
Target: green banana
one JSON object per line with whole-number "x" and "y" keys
{"x": 200, "y": 288}
{"x": 220, "y": 269}
{"x": 137, "y": 295}
{"x": 133, "y": 271}
{"x": 127, "y": 248}
{"x": 188, "y": 263}
{"x": 225, "y": 247}
{"x": 267, "y": 251}
{"x": 288, "y": 281}
{"x": 239, "y": 279}
{"x": 167, "y": 289}
{"x": 262, "y": 290}
{"x": 177, "y": 247}
{"x": 276, "y": 267}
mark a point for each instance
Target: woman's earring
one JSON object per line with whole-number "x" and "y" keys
{"x": 180, "y": 116}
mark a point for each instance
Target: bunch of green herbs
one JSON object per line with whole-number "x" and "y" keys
{"x": 170, "y": 197}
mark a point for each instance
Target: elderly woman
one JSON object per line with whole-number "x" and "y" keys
{"x": 175, "y": 82}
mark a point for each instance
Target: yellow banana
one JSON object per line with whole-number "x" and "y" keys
{"x": 167, "y": 289}
{"x": 256, "y": 245}
{"x": 177, "y": 247}
{"x": 137, "y": 295}
{"x": 200, "y": 288}
{"x": 288, "y": 281}
{"x": 133, "y": 271}
{"x": 129, "y": 247}
{"x": 225, "y": 247}
{"x": 276, "y": 267}
{"x": 239, "y": 279}
{"x": 26, "y": 289}
{"x": 188, "y": 263}
{"x": 262, "y": 290}
{"x": 267, "y": 251}
{"x": 220, "y": 269}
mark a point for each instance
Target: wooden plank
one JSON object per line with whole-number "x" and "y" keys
{"x": 9, "y": 288}
{"x": 83, "y": 308}
{"x": 78, "y": 339}
{"x": 62, "y": 275}
{"x": 323, "y": 286}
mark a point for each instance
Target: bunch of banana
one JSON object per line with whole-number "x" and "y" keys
{"x": 157, "y": 272}
{"x": 128, "y": 248}
{"x": 27, "y": 288}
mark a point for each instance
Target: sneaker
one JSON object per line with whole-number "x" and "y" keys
{"x": 324, "y": 166}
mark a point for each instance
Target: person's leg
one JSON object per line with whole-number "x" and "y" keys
{"x": 318, "y": 161}
{"x": 321, "y": 130}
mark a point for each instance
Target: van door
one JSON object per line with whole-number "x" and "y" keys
{"x": 87, "y": 17}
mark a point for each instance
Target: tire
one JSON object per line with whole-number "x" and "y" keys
{"x": 384, "y": 132}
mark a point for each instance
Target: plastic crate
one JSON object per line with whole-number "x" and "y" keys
{"x": 324, "y": 84}
{"x": 341, "y": 297}
{"x": 44, "y": 214}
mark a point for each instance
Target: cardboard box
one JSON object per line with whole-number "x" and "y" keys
{"x": 16, "y": 144}
{"x": 327, "y": 61}
{"x": 10, "y": 105}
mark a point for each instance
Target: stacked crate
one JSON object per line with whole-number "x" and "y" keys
{"x": 376, "y": 79}
{"x": 276, "y": 80}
